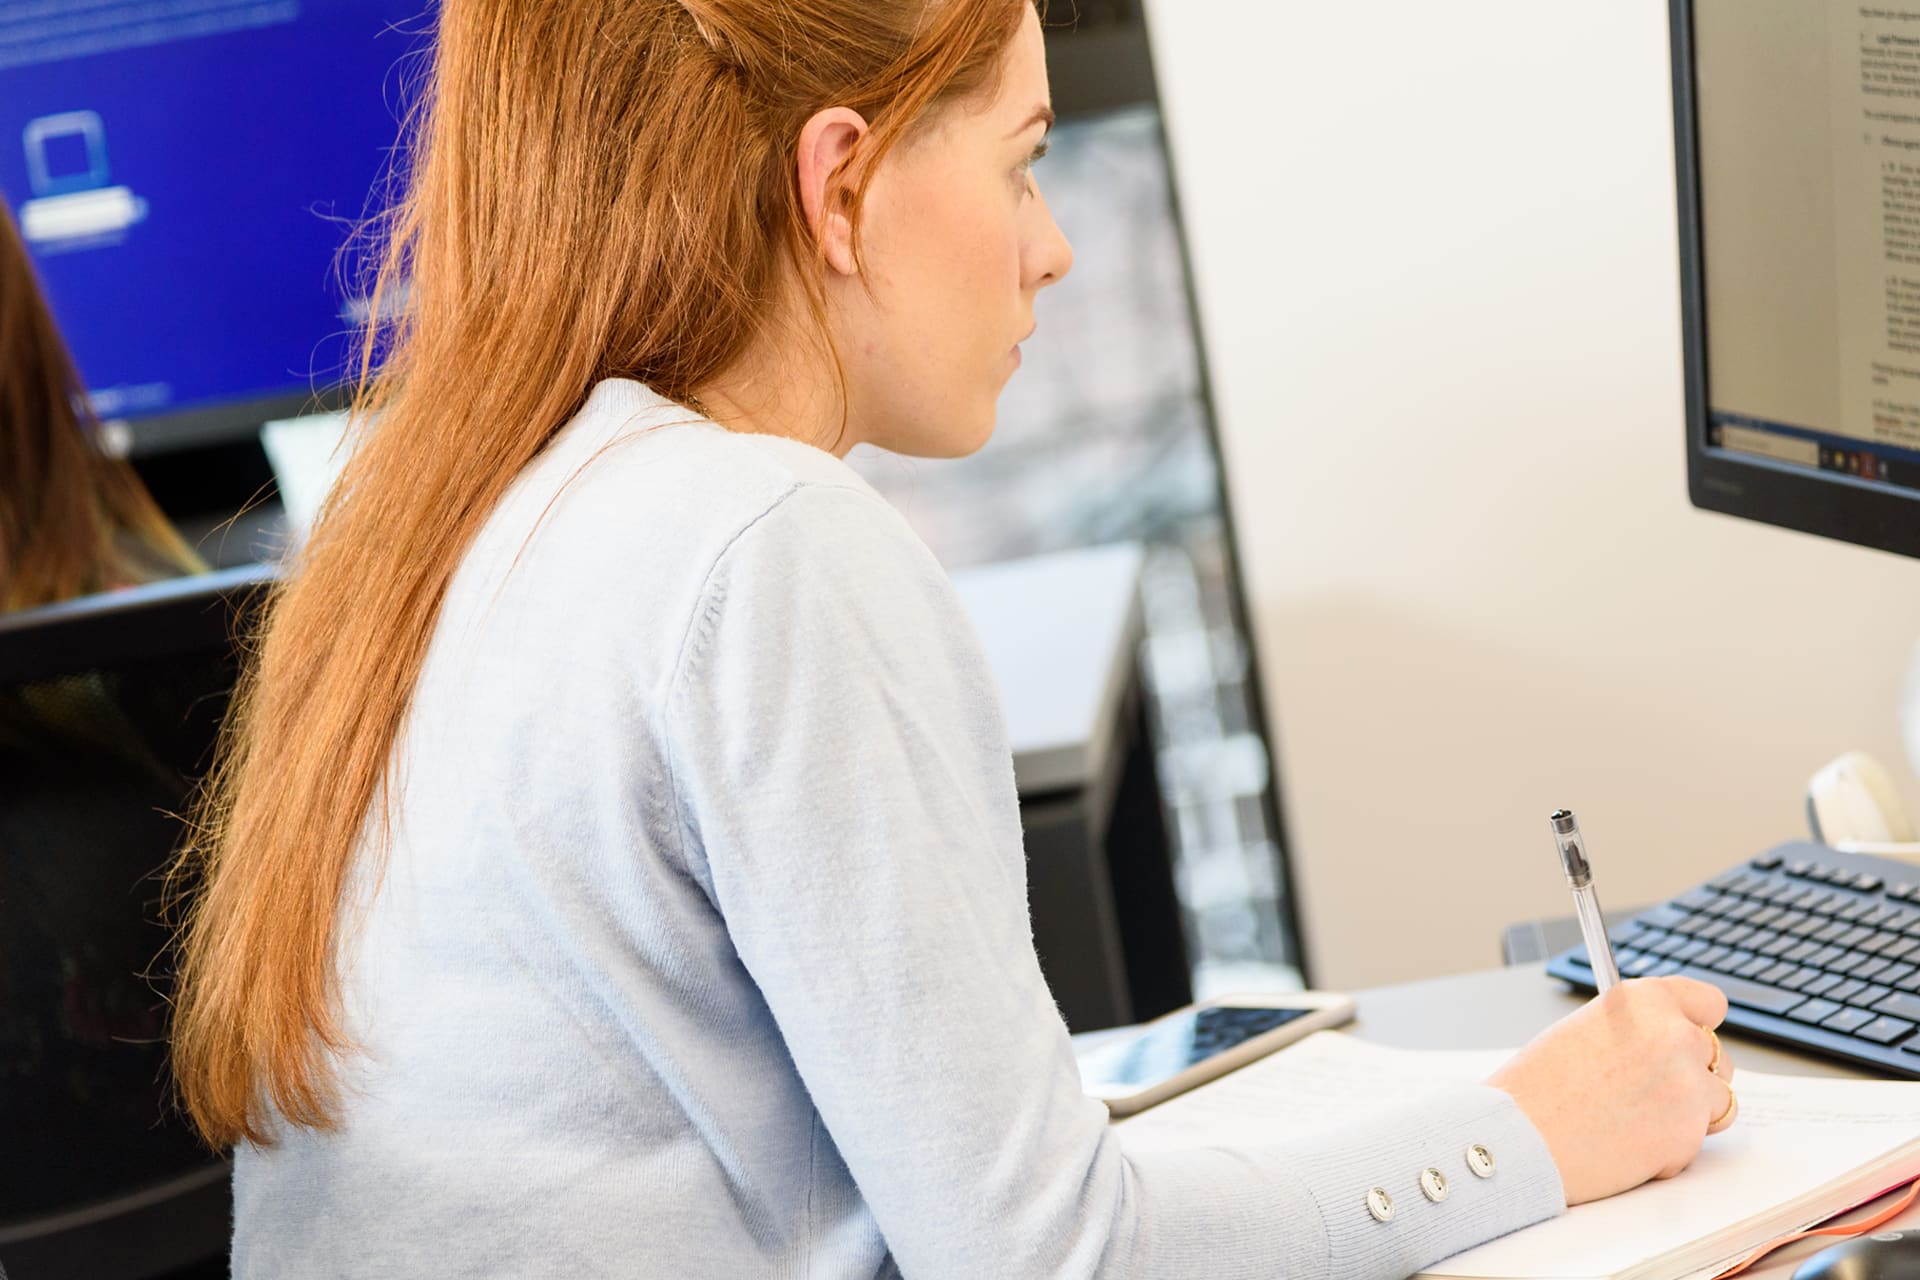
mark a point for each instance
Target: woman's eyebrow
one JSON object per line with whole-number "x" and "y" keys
{"x": 1043, "y": 114}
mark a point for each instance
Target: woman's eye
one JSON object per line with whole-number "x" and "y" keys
{"x": 1023, "y": 176}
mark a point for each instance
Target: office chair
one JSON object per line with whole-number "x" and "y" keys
{"x": 109, "y": 708}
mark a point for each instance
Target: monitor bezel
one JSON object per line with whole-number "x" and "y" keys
{"x": 1828, "y": 504}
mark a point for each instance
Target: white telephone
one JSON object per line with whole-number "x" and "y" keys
{"x": 1853, "y": 806}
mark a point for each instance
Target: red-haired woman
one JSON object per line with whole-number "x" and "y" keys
{"x": 72, "y": 520}
{"x": 616, "y": 867}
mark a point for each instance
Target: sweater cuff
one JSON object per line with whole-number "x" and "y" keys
{"x": 1495, "y": 1175}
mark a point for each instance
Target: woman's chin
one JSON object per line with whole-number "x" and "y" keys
{"x": 950, "y": 439}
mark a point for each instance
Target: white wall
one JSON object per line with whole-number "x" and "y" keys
{"x": 1437, "y": 271}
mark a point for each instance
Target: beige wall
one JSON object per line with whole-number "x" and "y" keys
{"x": 1437, "y": 269}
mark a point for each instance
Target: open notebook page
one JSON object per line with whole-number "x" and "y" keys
{"x": 1798, "y": 1143}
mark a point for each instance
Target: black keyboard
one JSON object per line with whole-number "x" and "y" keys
{"x": 1816, "y": 949}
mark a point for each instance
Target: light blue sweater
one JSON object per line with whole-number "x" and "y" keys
{"x": 702, "y": 947}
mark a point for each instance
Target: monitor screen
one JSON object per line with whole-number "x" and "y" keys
{"x": 185, "y": 176}
{"x": 1798, "y": 140}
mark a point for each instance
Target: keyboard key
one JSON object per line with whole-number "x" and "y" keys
{"x": 1826, "y": 956}
{"x": 1870, "y": 997}
{"x": 1884, "y": 1030}
{"x": 1853, "y": 937}
{"x": 1877, "y": 942}
{"x": 1899, "y": 1005}
{"x": 1902, "y": 949}
{"x": 1776, "y": 945}
{"x": 1772, "y": 974}
{"x": 1845, "y": 963}
{"x": 1796, "y": 978}
{"x": 1734, "y": 881}
{"x": 1852, "y": 912}
{"x": 1640, "y": 966}
{"x": 1693, "y": 924}
{"x": 1892, "y": 976}
{"x": 1806, "y": 927}
{"x": 1873, "y": 968}
{"x": 1816, "y": 1011}
{"x": 1662, "y": 969}
{"x": 1822, "y": 984}
{"x": 1712, "y": 956}
{"x": 1801, "y": 952}
{"x": 1791, "y": 920}
{"x": 1748, "y": 995}
{"x": 1819, "y": 901}
{"x": 1765, "y": 917}
{"x": 1698, "y": 947}
{"x": 1867, "y": 882}
{"x": 1901, "y": 892}
{"x": 1697, "y": 899}
{"x": 1737, "y": 935}
{"x": 1909, "y": 983}
{"x": 1765, "y": 862}
{"x": 1848, "y": 1020}
{"x": 1664, "y": 917}
{"x": 1848, "y": 989}
{"x": 1755, "y": 967}
{"x": 1879, "y": 916}
{"x": 1831, "y": 930}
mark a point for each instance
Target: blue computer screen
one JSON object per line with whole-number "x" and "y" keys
{"x": 185, "y": 173}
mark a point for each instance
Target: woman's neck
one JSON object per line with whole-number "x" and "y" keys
{"x": 785, "y": 384}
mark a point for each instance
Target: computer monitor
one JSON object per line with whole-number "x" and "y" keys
{"x": 185, "y": 177}
{"x": 109, "y": 707}
{"x": 1797, "y": 136}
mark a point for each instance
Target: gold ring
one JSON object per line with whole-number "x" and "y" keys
{"x": 1713, "y": 1063}
{"x": 1726, "y": 1117}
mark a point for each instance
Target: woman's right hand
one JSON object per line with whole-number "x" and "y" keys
{"x": 1620, "y": 1088}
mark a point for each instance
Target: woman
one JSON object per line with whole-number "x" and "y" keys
{"x": 616, "y": 866}
{"x": 72, "y": 520}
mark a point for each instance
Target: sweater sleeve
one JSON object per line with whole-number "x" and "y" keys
{"x": 846, "y": 799}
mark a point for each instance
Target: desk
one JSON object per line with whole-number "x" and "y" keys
{"x": 1062, "y": 633}
{"x": 1503, "y": 1008}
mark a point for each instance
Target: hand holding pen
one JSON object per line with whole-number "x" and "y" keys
{"x": 1617, "y": 1087}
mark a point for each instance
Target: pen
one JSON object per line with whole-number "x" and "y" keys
{"x": 1593, "y": 926}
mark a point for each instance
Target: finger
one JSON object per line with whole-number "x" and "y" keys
{"x": 1681, "y": 1165}
{"x": 1726, "y": 1109}
{"x": 1704, "y": 1004}
{"x": 1724, "y": 1067}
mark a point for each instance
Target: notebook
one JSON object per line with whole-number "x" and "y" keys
{"x": 1804, "y": 1150}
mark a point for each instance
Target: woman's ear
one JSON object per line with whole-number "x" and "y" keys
{"x": 826, "y": 142}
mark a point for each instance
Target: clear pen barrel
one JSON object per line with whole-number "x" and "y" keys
{"x": 1593, "y": 925}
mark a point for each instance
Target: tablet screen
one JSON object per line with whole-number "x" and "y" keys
{"x": 1170, "y": 1047}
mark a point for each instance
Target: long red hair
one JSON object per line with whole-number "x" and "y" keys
{"x": 594, "y": 190}
{"x": 72, "y": 519}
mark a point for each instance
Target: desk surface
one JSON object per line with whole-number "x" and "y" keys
{"x": 1503, "y": 1008}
